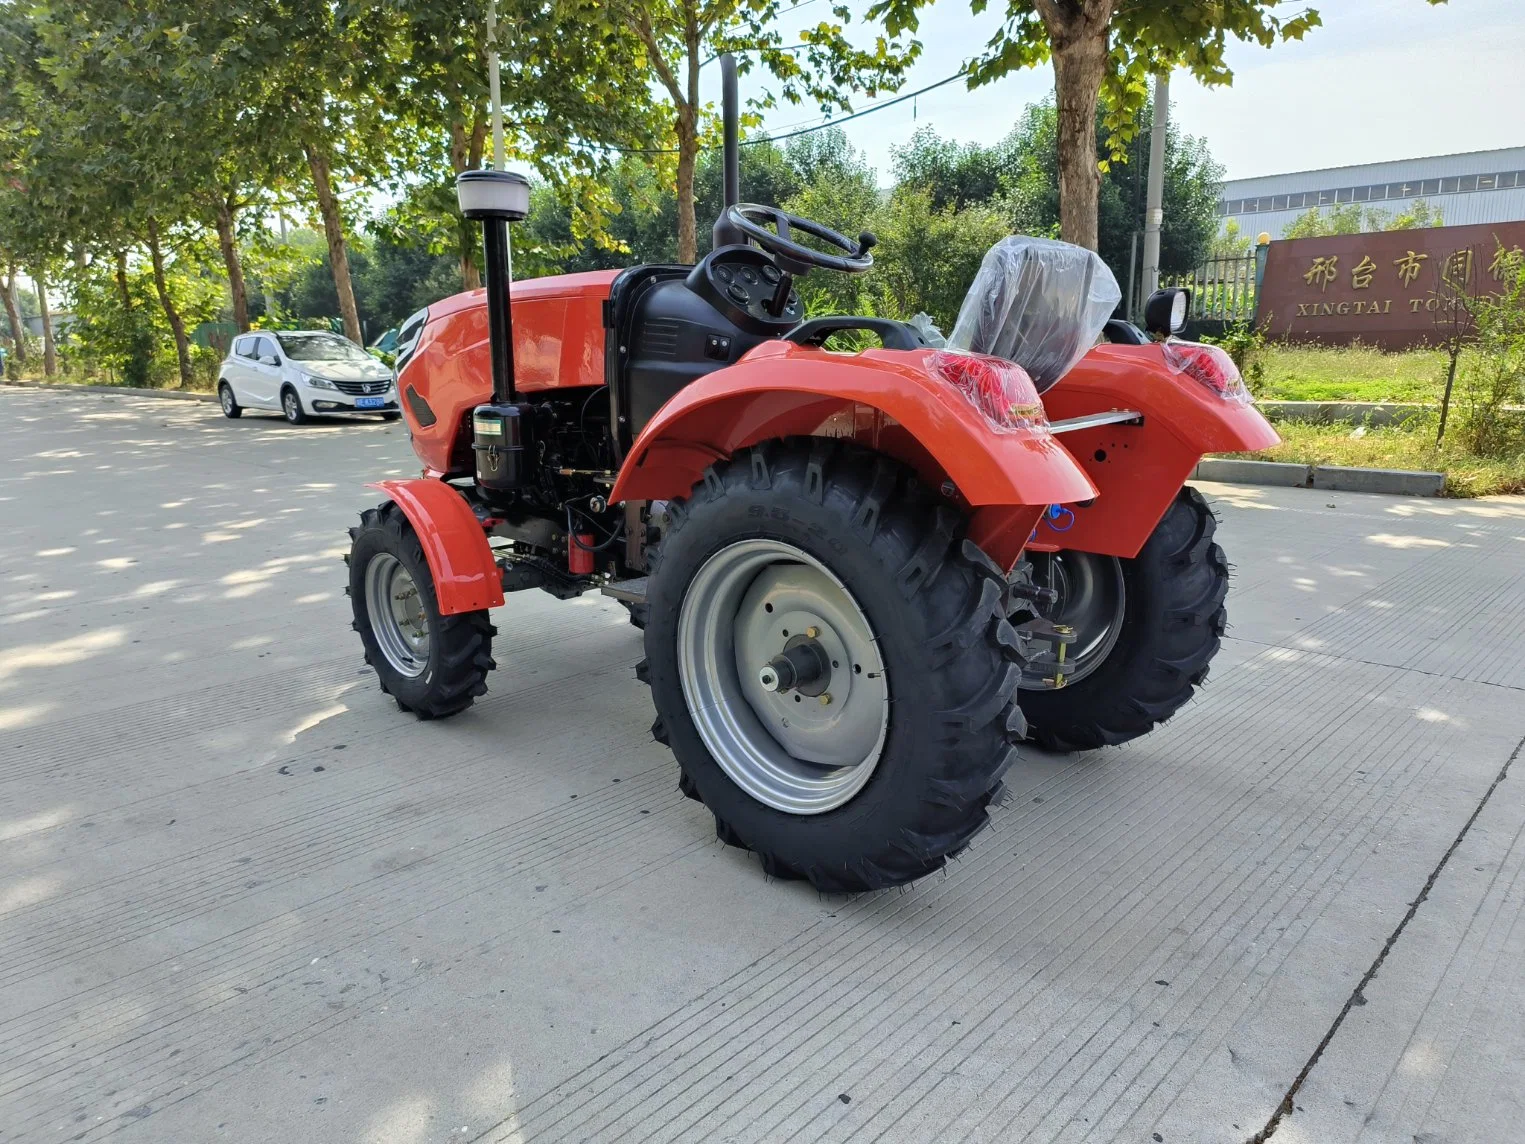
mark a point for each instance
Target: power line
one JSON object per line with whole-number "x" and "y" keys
{"x": 822, "y": 126}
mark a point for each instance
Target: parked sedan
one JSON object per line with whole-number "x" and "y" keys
{"x": 302, "y": 372}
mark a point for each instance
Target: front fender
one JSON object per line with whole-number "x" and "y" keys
{"x": 466, "y": 577}
{"x": 887, "y": 399}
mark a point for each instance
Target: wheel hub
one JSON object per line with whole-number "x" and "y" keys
{"x": 1089, "y": 598}
{"x": 397, "y": 614}
{"x": 803, "y": 664}
{"x": 782, "y": 676}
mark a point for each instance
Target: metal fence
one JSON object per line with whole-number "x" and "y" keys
{"x": 1222, "y": 289}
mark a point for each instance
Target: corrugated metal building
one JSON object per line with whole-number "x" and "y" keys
{"x": 1479, "y": 186}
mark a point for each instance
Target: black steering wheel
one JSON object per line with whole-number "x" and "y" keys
{"x": 749, "y": 219}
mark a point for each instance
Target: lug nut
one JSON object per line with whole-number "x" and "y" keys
{"x": 825, "y": 699}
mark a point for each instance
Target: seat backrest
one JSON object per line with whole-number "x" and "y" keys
{"x": 1037, "y": 302}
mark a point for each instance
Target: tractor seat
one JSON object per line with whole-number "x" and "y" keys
{"x": 1037, "y": 302}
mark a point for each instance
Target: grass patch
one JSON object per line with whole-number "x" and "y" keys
{"x": 1350, "y": 373}
{"x": 1409, "y": 447}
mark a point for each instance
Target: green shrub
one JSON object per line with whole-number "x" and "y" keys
{"x": 1492, "y": 375}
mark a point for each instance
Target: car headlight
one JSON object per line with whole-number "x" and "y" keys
{"x": 317, "y": 382}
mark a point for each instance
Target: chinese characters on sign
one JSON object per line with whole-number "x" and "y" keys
{"x": 1506, "y": 264}
{"x": 1391, "y": 289}
{"x": 1322, "y": 271}
{"x": 1409, "y": 266}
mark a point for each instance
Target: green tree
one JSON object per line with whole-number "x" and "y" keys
{"x": 678, "y": 35}
{"x": 955, "y": 174}
{"x": 1353, "y": 218}
{"x": 570, "y": 76}
{"x": 1110, "y": 45}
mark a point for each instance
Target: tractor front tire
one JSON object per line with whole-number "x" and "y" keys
{"x": 1171, "y": 627}
{"x": 432, "y": 665}
{"x": 907, "y": 622}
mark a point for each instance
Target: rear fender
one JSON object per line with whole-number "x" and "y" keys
{"x": 466, "y": 577}
{"x": 1139, "y": 469}
{"x": 886, "y": 399}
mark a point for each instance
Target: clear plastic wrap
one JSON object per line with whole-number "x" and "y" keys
{"x": 1210, "y": 365}
{"x": 999, "y": 390}
{"x": 1037, "y": 302}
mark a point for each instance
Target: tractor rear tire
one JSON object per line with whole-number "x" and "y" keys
{"x": 939, "y": 669}
{"x": 441, "y": 673}
{"x": 1172, "y": 626}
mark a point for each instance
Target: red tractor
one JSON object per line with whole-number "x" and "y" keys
{"x": 863, "y": 577}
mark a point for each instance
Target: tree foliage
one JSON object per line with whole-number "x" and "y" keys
{"x": 1104, "y": 53}
{"x": 1353, "y": 218}
{"x": 825, "y": 67}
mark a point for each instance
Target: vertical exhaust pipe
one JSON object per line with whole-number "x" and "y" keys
{"x": 500, "y": 430}
{"x": 730, "y": 111}
{"x": 495, "y": 199}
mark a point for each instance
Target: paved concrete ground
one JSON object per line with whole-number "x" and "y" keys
{"x": 242, "y": 897}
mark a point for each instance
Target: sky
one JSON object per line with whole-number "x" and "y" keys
{"x": 1382, "y": 79}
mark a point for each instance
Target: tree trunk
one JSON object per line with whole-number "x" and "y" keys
{"x": 1080, "y": 62}
{"x": 688, "y": 143}
{"x": 121, "y": 280}
{"x": 688, "y": 152}
{"x": 176, "y": 322}
{"x": 49, "y": 348}
{"x": 227, "y": 238}
{"x": 466, "y": 155}
{"x": 13, "y": 312}
{"x": 333, "y": 230}
{"x": 1445, "y": 401}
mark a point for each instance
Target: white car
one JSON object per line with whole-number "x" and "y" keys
{"x": 302, "y": 372}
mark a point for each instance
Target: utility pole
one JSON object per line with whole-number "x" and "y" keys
{"x": 1154, "y": 210}
{"x": 494, "y": 85}
{"x": 495, "y": 104}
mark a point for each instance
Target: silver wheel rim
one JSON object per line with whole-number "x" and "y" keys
{"x": 801, "y": 750}
{"x": 398, "y": 617}
{"x": 289, "y": 402}
{"x": 1092, "y": 600}
{"x": 227, "y": 400}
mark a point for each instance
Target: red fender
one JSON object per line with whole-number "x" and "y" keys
{"x": 1139, "y": 469}
{"x": 887, "y": 399}
{"x": 466, "y": 577}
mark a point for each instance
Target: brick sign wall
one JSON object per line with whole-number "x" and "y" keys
{"x": 1389, "y": 288}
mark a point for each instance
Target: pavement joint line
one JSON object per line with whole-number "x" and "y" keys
{"x": 1287, "y": 1105}
{"x": 1373, "y": 663}
{"x": 1371, "y": 821}
{"x": 988, "y": 876}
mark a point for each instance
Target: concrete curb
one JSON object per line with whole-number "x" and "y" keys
{"x": 1403, "y": 482}
{"x": 119, "y": 390}
{"x": 1395, "y": 482}
{"x": 1378, "y": 414}
{"x": 1234, "y": 471}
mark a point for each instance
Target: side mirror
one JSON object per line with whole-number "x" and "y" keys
{"x": 269, "y": 359}
{"x": 1165, "y": 312}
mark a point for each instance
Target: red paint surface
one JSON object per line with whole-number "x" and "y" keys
{"x": 558, "y": 343}
{"x": 887, "y": 399}
{"x": 466, "y": 578}
{"x": 1138, "y": 469}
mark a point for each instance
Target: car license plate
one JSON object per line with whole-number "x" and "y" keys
{"x": 370, "y": 402}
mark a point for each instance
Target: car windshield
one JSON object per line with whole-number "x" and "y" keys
{"x": 321, "y": 347}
